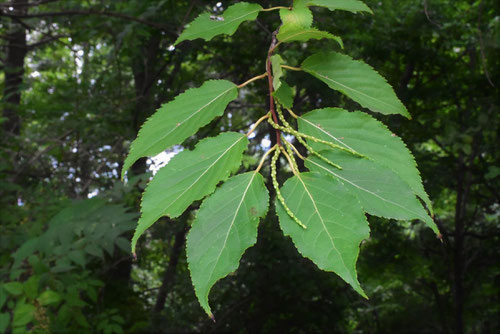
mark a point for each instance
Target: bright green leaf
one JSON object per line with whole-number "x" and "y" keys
{"x": 49, "y": 297}
{"x": 362, "y": 133}
{"x": 225, "y": 226}
{"x": 285, "y": 95}
{"x": 348, "y": 5}
{"x": 189, "y": 176}
{"x": 355, "y": 79}
{"x": 381, "y": 191}
{"x": 287, "y": 34}
{"x": 335, "y": 222}
{"x": 276, "y": 62}
{"x": 13, "y": 288}
{"x": 23, "y": 314}
{"x": 299, "y": 17}
{"x": 181, "y": 118}
{"x": 30, "y": 287}
{"x": 207, "y": 26}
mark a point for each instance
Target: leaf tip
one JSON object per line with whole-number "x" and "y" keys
{"x": 440, "y": 237}
{"x": 212, "y": 317}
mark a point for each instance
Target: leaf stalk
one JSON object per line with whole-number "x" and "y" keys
{"x": 260, "y": 120}
{"x": 291, "y": 68}
{"x": 252, "y": 80}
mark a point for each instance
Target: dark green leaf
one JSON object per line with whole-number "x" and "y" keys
{"x": 362, "y": 133}
{"x": 355, "y": 79}
{"x": 190, "y": 176}
{"x": 207, "y": 26}
{"x": 181, "y": 118}
{"x": 225, "y": 226}
{"x": 381, "y": 191}
{"x": 335, "y": 222}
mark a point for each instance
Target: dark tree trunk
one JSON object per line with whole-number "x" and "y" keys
{"x": 144, "y": 66}
{"x": 459, "y": 255}
{"x": 169, "y": 274}
{"x": 14, "y": 71}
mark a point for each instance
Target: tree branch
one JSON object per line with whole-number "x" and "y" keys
{"x": 27, "y": 4}
{"x": 87, "y": 12}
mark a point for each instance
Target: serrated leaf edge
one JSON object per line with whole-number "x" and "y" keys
{"x": 209, "y": 312}
{"x": 414, "y": 163}
{"x": 135, "y": 239}
{"x": 225, "y": 22}
{"x": 127, "y": 165}
{"x": 358, "y": 289}
{"x": 424, "y": 219}
{"x": 314, "y": 73}
{"x": 323, "y": 34}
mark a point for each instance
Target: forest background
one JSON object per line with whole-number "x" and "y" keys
{"x": 78, "y": 78}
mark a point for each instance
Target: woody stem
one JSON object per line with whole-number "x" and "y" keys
{"x": 271, "y": 88}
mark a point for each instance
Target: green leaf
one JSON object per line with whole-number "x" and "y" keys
{"x": 225, "y": 226}
{"x": 189, "y": 176}
{"x": 49, "y": 297}
{"x": 286, "y": 35}
{"x": 355, "y": 79}
{"x": 13, "y": 288}
{"x": 299, "y": 17}
{"x": 77, "y": 257}
{"x": 94, "y": 249}
{"x": 285, "y": 95}
{"x": 335, "y": 222}
{"x": 353, "y": 6}
{"x": 362, "y": 133}
{"x": 3, "y": 296}
{"x": 4, "y": 322}
{"x": 30, "y": 287}
{"x": 381, "y": 191}
{"x": 123, "y": 244}
{"x": 276, "y": 62}
{"x": 23, "y": 314}
{"x": 181, "y": 118}
{"x": 207, "y": 26}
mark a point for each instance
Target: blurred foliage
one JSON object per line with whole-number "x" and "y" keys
{"x": 93, "y": 77}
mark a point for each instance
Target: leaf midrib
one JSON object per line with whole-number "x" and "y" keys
{"x": 232, "y": 223}
{"x": 354, "y": 90}
{"x": 225, "y": 23}
{"x": 324, "y": 226}
{"x": 177, "y": 125}
{"x": 327, "y": 133}
{"x": 368, "y": 191}
{"x": 202, "y": 174}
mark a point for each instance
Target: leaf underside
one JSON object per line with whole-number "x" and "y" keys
{"x": 353, "y": 6}
{"x": 285, "y": 95}
{"x": 362, "y": 133}
{"x": 335, "y": 222}
{"x": 181, "y": 118}
{"x": 287, "y": 35}
{"x": 355, "y": 79}
{"x": 207, "y": 26}
{"x": 276, "y": 62}
{"x": 189, "y": 176}
{"x": 380, "y": 191}
{"x": 225, "y": 226}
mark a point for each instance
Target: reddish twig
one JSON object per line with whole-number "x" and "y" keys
{"x": 271, "y": 88}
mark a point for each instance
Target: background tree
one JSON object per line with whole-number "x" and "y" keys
{"x": 78, "y": 79}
